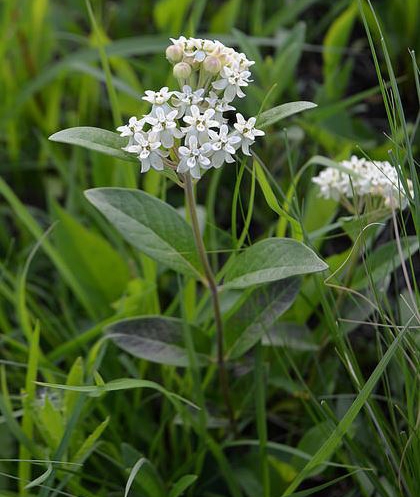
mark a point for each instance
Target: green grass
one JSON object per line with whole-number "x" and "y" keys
{"x": 328, "y": 402}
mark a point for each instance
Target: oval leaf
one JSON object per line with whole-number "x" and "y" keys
{"x": 154, "y": 338}
{"x": 290, "y": 335}
{"x": 275, "y": 114}
{"x": 258, "y": 313}
{"x": 270, "y": 260}
{"x": 100, "y": 140}
{"x": 151, "y": 225}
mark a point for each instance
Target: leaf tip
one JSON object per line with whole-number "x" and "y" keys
{"x": 54, "y": 137}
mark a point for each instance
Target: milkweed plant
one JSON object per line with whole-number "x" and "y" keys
{"x": 187, "y": 132}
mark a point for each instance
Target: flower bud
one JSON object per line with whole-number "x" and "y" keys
{"x": 212, "y": 65}
{"x": 182, "y": 70}
{"x": 174, "y": 53}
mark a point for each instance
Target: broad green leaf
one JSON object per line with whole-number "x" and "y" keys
{"x": 258, "y": 313}
{"x": 383, "y": 261}
{"x": 101, "y": 271}
{"x": 151, "y": 225}
{"x": 97, "y": 139}
{"x": 290, "y": 335}
{"x": 153, "y": 338}
{"x": 272, "y": 259}
{"x": 275, "y": 114}
{"x": 103, "y": 141}
{"x": 181, "y": 485}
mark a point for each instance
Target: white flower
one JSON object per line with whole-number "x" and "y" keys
{"x": 159, "y": 99}
{"x": 223, "y": 146}
{"x": 134, "y": 126}
{"x": 247, "y": 131}
{"x": 240, "y": 60}
{"x": 219, "y": 105}
{"x": 232, "y": 79}
{"x": 147, "y": 149}
{"x": 193, "y": 156}
{"x": 164, "y": 126}
{"x": 180, "y": 42}
{"x": 332, "y": 183}
{"x": 183, "y": 100}
{"x": 199, "y": 124}
{"x": 379, "y": 179}
{"x": 194, "y": 49}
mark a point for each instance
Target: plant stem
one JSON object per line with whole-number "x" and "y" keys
{"x": 223, "y": 377}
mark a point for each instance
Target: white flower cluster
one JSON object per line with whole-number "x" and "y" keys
{"x": 378, "y": 179}
{"x": 187, "y": 130}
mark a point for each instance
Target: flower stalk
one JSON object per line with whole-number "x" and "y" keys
{"x": 212, "y": 285}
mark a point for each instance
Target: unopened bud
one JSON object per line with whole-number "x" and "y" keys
{"x": 182, "y": 70}
{"x": 174, "y": 53}
{"x": 212, "y": 65}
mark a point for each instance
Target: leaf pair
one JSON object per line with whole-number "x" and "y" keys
{"x": 159, "y": 231}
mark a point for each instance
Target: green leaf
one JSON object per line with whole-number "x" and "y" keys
{"x": 290, "y": 335}
{"x": 273, "y": 203}
{"x": 38, "y": 481}
{"x": 153, "y": 338}
{"x": 101, "y": 271}
{"x": 133, "y": 473}
{"x": 104, "y": 141}
{"x": 151, "y": 225}
{"x": 147, "y": 482}
{"x": 115, "y": 385}
{"x": 336, "y": 39}
{"x": 272, "y": 259}
{"x": 100, "y": 140}
{"x": 275, "y": 114}
{"x": 181, "y": 485}
{"x": 75, "y": 377}
{"x": 383, "y": 261}
{"x": 310, "y": 443}
{"x": 89, "y": 443}
{"x": 258, "y": 313}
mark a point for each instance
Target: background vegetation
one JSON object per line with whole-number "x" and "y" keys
{"x": 329, "y": 400}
